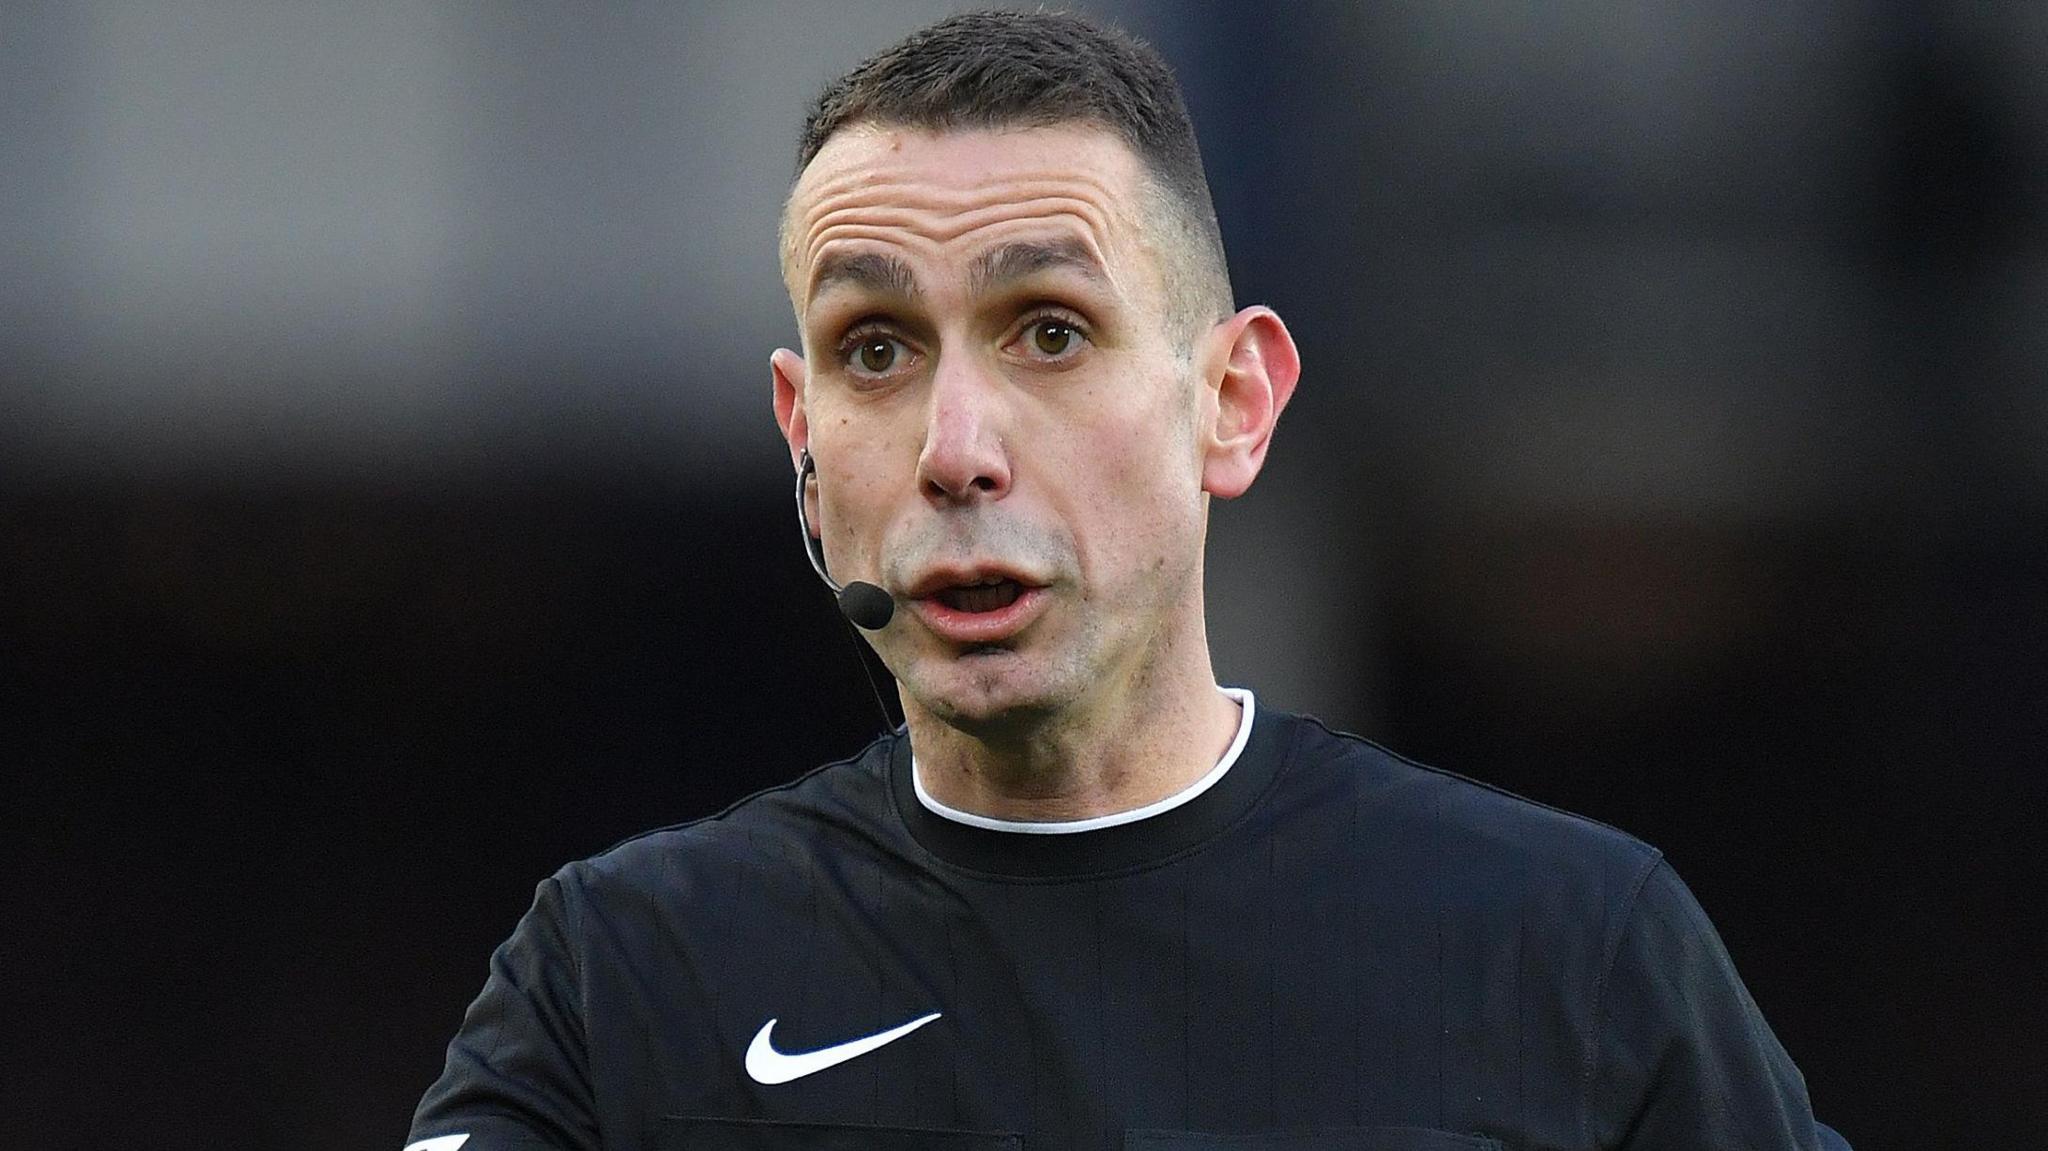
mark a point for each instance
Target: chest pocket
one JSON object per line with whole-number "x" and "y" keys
{"x": 689, "y": 1134}
{"x": 1327, "y": 1139}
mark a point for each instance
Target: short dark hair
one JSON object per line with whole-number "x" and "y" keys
{"x": 1038, "y": 69}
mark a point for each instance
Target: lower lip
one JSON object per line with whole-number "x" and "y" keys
{"x": 978, "y": 626}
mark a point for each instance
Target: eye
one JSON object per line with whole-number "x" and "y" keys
{"x": 872, "y": 355}
{"x": 1052, "y": 339}
{"x": 877, "y": 355}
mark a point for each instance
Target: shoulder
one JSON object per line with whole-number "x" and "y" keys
{"x": 772, "y": 830}
{"x": 1464, "y": 834}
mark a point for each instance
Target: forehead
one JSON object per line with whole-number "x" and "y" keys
{"x": 941, "y": 198}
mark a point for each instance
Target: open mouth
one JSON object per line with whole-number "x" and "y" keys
{"x": 992, "y": 594}
{"x": 977, "y": 607}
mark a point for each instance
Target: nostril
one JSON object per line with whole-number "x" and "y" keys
{"x": 985, "y": 483}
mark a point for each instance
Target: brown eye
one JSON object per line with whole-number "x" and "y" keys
{"x": 876, "y": 355}
{"x": 1052, "y": 337}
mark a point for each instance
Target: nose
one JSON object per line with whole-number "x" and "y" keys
{"x": 964, "y": 458}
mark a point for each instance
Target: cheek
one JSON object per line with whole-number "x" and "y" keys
{"x": 868, "y": 471}
{"x": 1140, "y": 503}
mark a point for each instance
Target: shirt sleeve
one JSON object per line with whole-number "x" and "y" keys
{"x": 517, "y": 1077}
{"x": 1685, "y": 1061}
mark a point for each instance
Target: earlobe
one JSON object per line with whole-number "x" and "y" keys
{"x": 1253, "y": 384}
{"x": 788, "y": 370}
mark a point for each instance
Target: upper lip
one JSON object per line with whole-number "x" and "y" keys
{"x": 967, "y": 575}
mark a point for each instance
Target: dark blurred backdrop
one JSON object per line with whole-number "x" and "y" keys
{"x": 390, "y": 509}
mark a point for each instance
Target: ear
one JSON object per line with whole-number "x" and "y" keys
{"x": 788, "y": 368}
{"x": 1255, "y": 368}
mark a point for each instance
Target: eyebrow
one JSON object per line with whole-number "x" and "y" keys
{"x": 1019, "y": 260}
{"x": 874, "y": 271}
{"x": 883, "y": 273}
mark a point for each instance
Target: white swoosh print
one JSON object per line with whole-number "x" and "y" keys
{"x": 767, "y": 1065}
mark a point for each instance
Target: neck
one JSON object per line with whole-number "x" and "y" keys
{"x": 1098, "y": 756}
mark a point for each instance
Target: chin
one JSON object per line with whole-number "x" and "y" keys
{"x": 988, "y": 694}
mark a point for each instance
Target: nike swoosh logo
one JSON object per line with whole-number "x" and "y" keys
{"x": 767, "y": 1065}
{"x": 439, "y": 1143}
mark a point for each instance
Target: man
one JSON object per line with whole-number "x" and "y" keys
{"x": 1085, "y": 897}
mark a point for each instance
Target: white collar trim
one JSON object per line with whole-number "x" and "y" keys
{"x": 1243, "y": 696}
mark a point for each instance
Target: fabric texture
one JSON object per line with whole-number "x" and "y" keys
{"x": 1332, "y": 947}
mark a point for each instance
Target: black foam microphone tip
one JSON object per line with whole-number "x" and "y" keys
{"x": 868, "y": 606}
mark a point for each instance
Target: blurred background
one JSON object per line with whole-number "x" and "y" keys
{"x": 390, "y": 509}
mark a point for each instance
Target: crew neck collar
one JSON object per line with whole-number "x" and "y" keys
{"x": 1245, "y": 706}
{"x": 999, "y": 848}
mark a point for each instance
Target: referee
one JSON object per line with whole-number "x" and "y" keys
{"x": 1085, "y": 897}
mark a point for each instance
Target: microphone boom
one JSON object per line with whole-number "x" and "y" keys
{"x": 870, "y": 608}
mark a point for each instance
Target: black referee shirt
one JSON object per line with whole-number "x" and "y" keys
{"x": 1332, "y": 947}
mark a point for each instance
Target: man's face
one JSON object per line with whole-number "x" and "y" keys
{"x": 1005, "y": 430}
